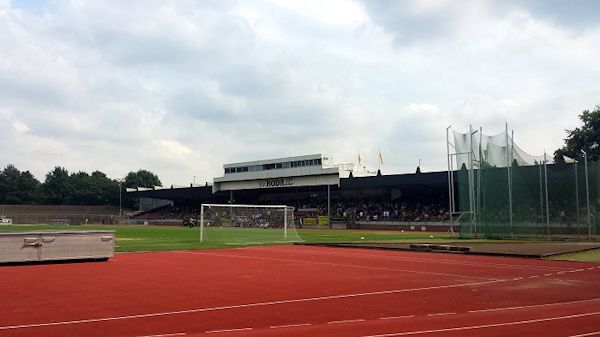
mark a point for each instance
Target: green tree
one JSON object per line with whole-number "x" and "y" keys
{"x": 18, "y": 187}
{"x": 9, "y": 185}
{"x": 29, "y": 188}
{"x": 56, "y": 188}
{"x": 105, "y": 189}
{"x": 141, "y": 178}
{"x": 81, "y": 192}
{"x": 586, "y": 137}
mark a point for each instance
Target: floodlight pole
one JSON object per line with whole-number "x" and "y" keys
{"x": 201, "y": 223}
{"x": 587, "y": 194}
{"x": 120, "y": 197}
{"x": 450, "y": 173}
{"x": 285, "y": 222}
{"x": 541, "y": 197}
{"x": 479, "y": 168}
{"x": 509, "y": 179}
{"x": 547, "y": 207}
{"x": 329, "y": 206}
{"x": 576, "y": 198}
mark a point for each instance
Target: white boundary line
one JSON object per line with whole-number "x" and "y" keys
{"x": 587, "y": 334}
{"x": 289, "y": 325}
{"x": 228, "y": 330}
{"x": 167, "y": 334}
{"x": 484, "y": 326}
{"x": 247, "y": 305}
{"x": 396, "y": 317}
{"x": 344, "y": 265}
{"x": 534, "y": 305}
{"x": 347, "y": 321}
{"x": 413, "y": 259}
{"x": 441, "y": 314}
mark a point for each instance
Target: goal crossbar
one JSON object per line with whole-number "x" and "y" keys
{"x": 284, "y": 208}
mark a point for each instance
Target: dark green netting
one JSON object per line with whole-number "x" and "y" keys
{"x": 526, "y": 211}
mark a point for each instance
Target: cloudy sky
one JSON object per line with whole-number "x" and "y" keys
{"x": 182, "y": 87}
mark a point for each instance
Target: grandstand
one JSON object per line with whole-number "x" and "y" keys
{"x": 322, "y": 194}
{"x": 60, "y": 214}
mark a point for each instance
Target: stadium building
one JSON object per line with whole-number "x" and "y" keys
{"x": 319, "y": 191}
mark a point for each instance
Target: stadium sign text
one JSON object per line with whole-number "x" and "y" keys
{"x": 280, "y": 182}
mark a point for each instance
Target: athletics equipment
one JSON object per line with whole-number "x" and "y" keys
{"x": 247, "y": 224}
{"x": 497, "y": 190}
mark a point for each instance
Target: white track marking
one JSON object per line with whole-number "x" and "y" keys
{"x": 248, "y": 305}
{"x": 289, "y": 325}
{"x": 484, "y": 326}
{"x": 167, "y": 335}
{"x": 396, "y": 317}
{"x": 414, "y": 259}
{"x": 587, "y": 334}
{"x": 345, "y": 265}
{"x": 441, "y": 314}
{"x": 346, "y": 321}
{"x": 228, "y": 330}
{"x": 535, "y": 305}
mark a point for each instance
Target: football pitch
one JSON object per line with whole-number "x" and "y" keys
{"x": 166, "y": 238}
{"x": 162, "y": 238}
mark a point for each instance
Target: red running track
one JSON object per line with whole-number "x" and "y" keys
{"x": 301, "y": 291}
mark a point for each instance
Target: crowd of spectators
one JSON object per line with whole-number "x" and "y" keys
{"x": 341, "y": 210}
{"x": 376, "y": 210}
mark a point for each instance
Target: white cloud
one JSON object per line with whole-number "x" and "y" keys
{"x": 20, "y": 127}
{"x": 172, "y": 149}
{"x": 181, "y": 88}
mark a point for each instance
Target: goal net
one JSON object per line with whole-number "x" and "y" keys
{"x": 247, "y": 224}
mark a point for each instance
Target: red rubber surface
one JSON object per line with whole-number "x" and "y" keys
{"x": 301, "y": 291}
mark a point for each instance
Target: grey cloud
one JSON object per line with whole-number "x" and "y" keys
{"x": 409, "y": 26}
{"x": 574, "y": 14}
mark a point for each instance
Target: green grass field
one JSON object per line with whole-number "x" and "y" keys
{"x": 162, "y": 238}
{"x": 157, "y": 238}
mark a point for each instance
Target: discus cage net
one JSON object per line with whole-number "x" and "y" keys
{"x": 497, "y": 190}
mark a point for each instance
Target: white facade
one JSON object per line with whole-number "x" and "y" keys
{"x": 277, "y": 173}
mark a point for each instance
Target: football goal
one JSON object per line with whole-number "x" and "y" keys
{"x": 247, "y": 224}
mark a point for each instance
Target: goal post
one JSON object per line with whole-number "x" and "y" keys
{"x": 247, "y": 224}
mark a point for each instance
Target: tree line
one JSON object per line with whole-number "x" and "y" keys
{"x": 64, "y": 188}
{"x": 584, "y": 138}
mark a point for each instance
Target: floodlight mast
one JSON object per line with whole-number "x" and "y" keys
{"x": 587, "y": 194}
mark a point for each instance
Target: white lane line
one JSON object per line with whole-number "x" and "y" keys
{"x": 228, "y": 330}
{"x": 343, "y": 265}
{"x": 412, "y": 259}
{"x": 535, "y": 305}
{"x": 534, "y": 276}
{"x": 549, "y": 274}
{"x": 346, "y": 321}
{"x": 167, "y": 334}
{"x": 517, "y": 278}
{"x": 590, "y": 268}
{"x": 396, "y": 317}
{"x": 248, "y": 305}
{"x": 484, "y": 326}
{"x": 289, "y": 325}
{"x": 587, "y": 334}
{"x": 441, "y": 314}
